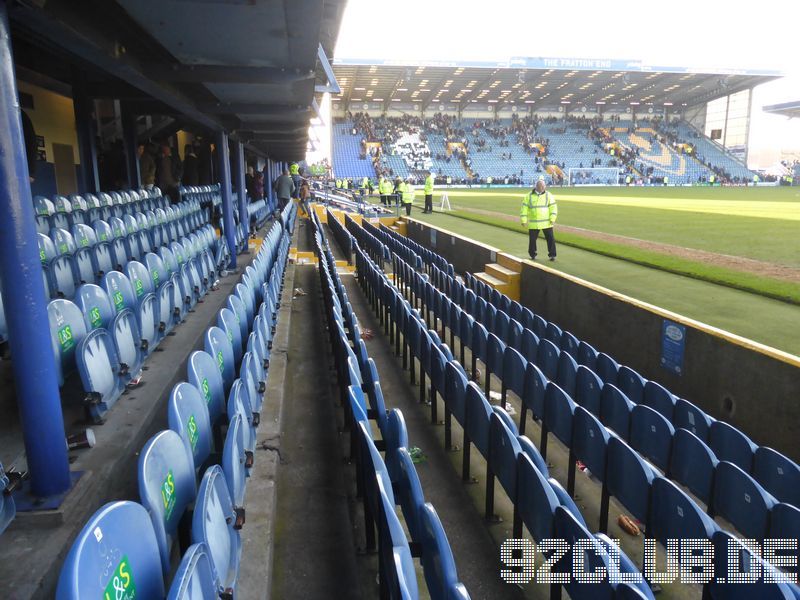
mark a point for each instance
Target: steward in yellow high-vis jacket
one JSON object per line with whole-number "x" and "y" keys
{"x": 429, "y": 181}
{"x": 407, "y": 192}
{"x": 385, "y": 190}
{"x": 539, "y": 212}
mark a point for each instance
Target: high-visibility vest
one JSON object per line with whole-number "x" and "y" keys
{"x": 449, "y": 180}
{"x": 294, "y": 169}
{"x": 538, "y": 211}
{"x": 429, "y": 185}
{"x": 346, "y": 184}
{"x": 338, "y": 184}
{"x": 385, "y": 187}
{"x": 408, "y": 193}
{"x": 364, "y": 182}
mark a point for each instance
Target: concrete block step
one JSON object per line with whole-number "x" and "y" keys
{"x": 502, "y": 273}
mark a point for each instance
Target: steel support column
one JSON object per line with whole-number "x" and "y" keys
{"x": 224, "y": 169}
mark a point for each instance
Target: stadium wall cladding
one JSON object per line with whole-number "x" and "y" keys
{"x": 751, "y": 386}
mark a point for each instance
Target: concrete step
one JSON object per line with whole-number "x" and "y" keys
{"x": 509, "y": 262}
{"x": 502, "y": 273}
{"x": 509, "y": 288}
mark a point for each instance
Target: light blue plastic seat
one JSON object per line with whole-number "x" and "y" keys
{"x": 194, "y": 579}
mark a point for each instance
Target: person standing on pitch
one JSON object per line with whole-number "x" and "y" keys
{"x": 539, "y": 212}
{"x": 407, "y": 192}
{"x": 428, "y": 193}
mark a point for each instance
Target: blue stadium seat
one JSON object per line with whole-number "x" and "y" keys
{"x": 628, "y": 479}
{"x": 558, "y": 411}
{"x": 631, "y": 384}
{"x": 455, "y": 397}
{"x": 205, "y": 375}
{"x": 623, "y": 568}
{"x": 530, "y": 345}
{"x": 588, "y": 390}
{"x": 166, "y": 488}
{"x": 133, "y": 568}
{"x": 675, "y": 516}
{"x": 567, "y": 374}
{"x": 501, "y": 460}
{"x": 218, "y": 346}
{"x": 513, "y": 374}
{"x": 784, "y": 522}
{"x": 128, "y": 344}
{"x": 536, "y": 501}
{"x": 147, "y": 318}
{"x": 85, "y": 269}
{"x": 63, "y": 276}
{"x": 615, "y": 411}
{"x": 437, "y": 558}
{"x": 239, "y": 403}
{"x": 589, "y": 445}
{"x": 397, "y": 574}
{"x": 214, "y": 523}
{"x": 730, "y": 444}
{"x": 477, "y": 428}
{"x": 95, "y": 305}
{"x": 779, "y": 475}
{"x": 237, "y": 306}
{"x": 659, "y": 399}
{"x": 119, "y": 290}
{"x": 741, "y": 500}
{"x": 547, "y": 359}
{"x": 408, "y": 492}
{"x": 607, "y": 369}
{"x": 194, "y": 579}
{"x": 226, "y": 320}
{"x": 187, "y": 415}
{"x": 236, "y": 460}
{"x": 587, "y": 356}
{"x": 688, "y": 416}
{"x": 141, "y": 280}
{"x": 533, "y": 395}
{"x": 651, "y": 436}
{"x": 693, "y": 464}
{"x": 100, "y": 371}
{"x": 67, "y": 330}
{"x": 528, "y": 447}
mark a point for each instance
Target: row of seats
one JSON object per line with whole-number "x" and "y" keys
{"x": 383, "y": 482}
{"x": 512, "y": 460}
{"x": 206, "y": 441}
{"x": 736, "y": 496}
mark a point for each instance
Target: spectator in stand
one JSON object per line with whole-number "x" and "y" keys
{"x": 147, "y": 167}
{"x": 284, "y": 189}
{"x": 165, "y": 177}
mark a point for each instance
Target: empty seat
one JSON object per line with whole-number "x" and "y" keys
{"x": 194, "y": 579}
{"x": 779, "y": 475}
{"x": 651, "y": 435}
{"x": 95, "y": 306}
{"x": 99, "y": 369}
{"x": 536, "y": 501}
{"x": 615, "y": 411}
{"x": 166, "y": 488}
{"x": 437, "y": 558}
{"x": 659, "y": 399}
{"x": 631, "y": 384}
{"x": 408, "y": 492}
{"x": 588, "y": 390}
{"x": 218, "y": 346}
{"x": 558, "y": 411}
{"x": 628, "y": 479}
{"x": 675, "y": 516}
{"x": 693, "y": 464}
{"x": 589, "y": 445}
{"x": 730, "y": 444}
{"x": 119, "y": 290}
{"x": 214, "y": 524}
{"x": 67, "y": 330}
{"x": 226, "y": 320}
{"x": 691, "y": 418}
{"x": 187, "y": 415}
{"x": 547, "y": 355}
{"x": 741, "y": 500}
{"x": 140, "y": 278}
{"x": 128, "y": 344}
{"x": 63, "y": 276}
{"x": 606, "y": 368}
{"x": 567, "y": 374}
{"x": 8, "y": 509}
{"x": 133, "y": 569}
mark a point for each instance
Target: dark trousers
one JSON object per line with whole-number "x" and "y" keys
{"x": 408, "y": 209}
{"x": 384, "y": 199}
{"x": 428, "y": 202}
{"x": 533, "y": 234}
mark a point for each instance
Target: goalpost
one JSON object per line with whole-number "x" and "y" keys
{"x": 594, "y": 176}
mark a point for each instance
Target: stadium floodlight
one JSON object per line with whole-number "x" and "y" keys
{"x": 594, "y": 176}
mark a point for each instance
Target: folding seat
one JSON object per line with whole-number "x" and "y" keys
{"x": 128, "y": 344}
{"x": 589, "y": 445}
{"x": 454, "y": 398}
{"x": 779, "y": 475}
{"x": 513, "y": 373}
{"x": 587, "y": 356}
{"x": 205, "y": 374}
{"x": 67, "y": 329}
{"x": 539, "y": 327}
{"x": 3, "y": 322}
{"x": 530, "y": 344}
{"x": 501, "y": 324}
{"x": 567, "y": 373}
{"x": 495, "y": 350}
{"x": 119, "y": 290}
{"x": 738, "y": 498}
{"x": 465, "y": 334}
{"x": 536, "y": 501}
{"x": 559, "y": 409}
{"x": 408, "y": 492}
{"x": 502, "y": 459}
{"x": 246, "y": 296}
{"x": 253, "y": 385}
{"x": 588, "y": 390}
{"x": 168, "y": 258}
{"x": 226, "y": 320}
{"x": 83, "y": 236}
{"x": 607, "y": 368}
{"x": 102, "y": 374}
{"x": 514, "y": 338}
{"x": 569, "y": 528}
{"x": 95, "y": 305}
{"x": 157, "y": 271}
{"x": 533, "y": 397}
{"x": 659, "y": 399}
{"x": 750, "y": 580}
{"x": 651, "y": 435}
{"x": 615, "y": 411}
{"x": 631, "y": 384}
{"x": 553, "y": 333}
{"x": 63, "y": 277}
{"x": 675, "y": 516}
{"x": 784, "y": 522}
{"x": 85, "y": 265}
{"x": 547, "y": 356}
{"x": 438, "y": 563}
{"x": 396, "y": 567}
{"x": 628, "y": 478}
{"x": 569, "y": 344}
{"x": 178, "y": 252}
{"x": 140, "y": 278}
{"x": 92, "y": 570}
{"x": 693, "y": 464}
{"x": 730, "y": 444}
{"x": 187, "y": 415}
{"x": 218, "y": 346}
{"x": 63, "y": 208}
{"x": 194, "y": 578}
{"x": 477, "y": 427}
{"x": 619, "y": 567}
{"x": 239, "y": 403}
{"x": 166, "y": 488}
{"x": 215, "y": 524}
{"x": 688, "y": 416}
{"x": 527, "y": 318}
{"x": 478, "y": 344}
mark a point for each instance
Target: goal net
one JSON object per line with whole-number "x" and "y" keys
{"x": 594, "y": 176}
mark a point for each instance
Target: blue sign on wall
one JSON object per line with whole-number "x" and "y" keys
{"x": 673, "y": 345}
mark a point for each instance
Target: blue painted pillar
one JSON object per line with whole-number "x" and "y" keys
{"x": 224, "y": 170}
{"x": 130, "y": 143}
{"x": 84, "y": 127}
{"x": 239, "y": 169}
{"x": 24, "y": 297}
{"x": 268, "y": 184}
